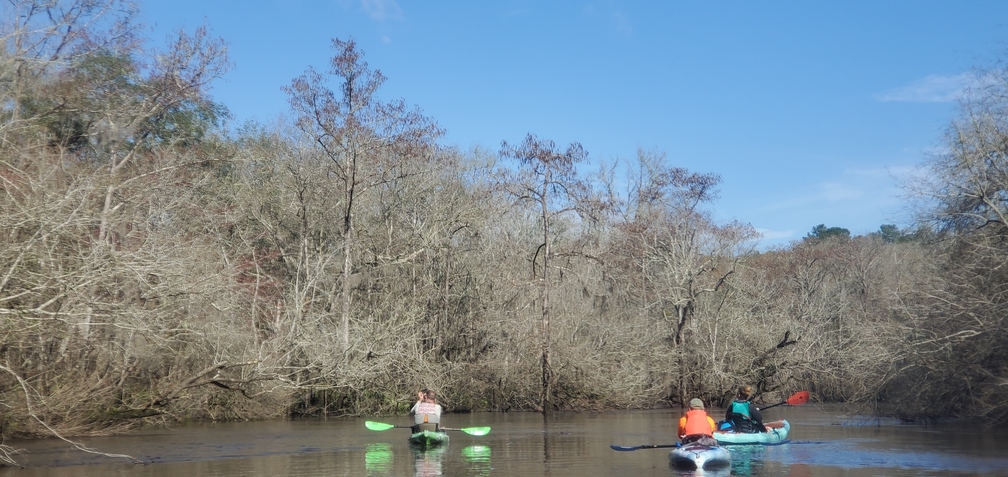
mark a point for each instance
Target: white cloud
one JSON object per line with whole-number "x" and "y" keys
{"x": 767, "y": 234}
{"x": 827, "y": 192}
{"x": 882, "y": 172}
{"x": 901, "y": 170}
{"x": 836, "y": 192}
{"x": 622, "y": 23}
{"x": 873, "y": 172}
{"x": 382, "y": 10}
{"x": 931, "y": 89}
{"x": 607, "y": 11}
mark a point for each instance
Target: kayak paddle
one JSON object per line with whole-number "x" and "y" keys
{"x": 645, "y": 446}
{"x": 381, "y": 426}
{"x": 472, "y": 431}
{"x": 800, "y": 397}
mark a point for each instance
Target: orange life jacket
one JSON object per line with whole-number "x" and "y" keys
{"x": 697, "y": 423}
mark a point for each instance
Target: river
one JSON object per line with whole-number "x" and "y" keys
{"x": 824, "y": 441}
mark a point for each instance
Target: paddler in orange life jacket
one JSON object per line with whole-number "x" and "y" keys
{"x": 426, "y": 412}
{"x": 696, "y": 425}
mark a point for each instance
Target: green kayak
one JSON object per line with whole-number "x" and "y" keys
{"x": 428, "y": 439}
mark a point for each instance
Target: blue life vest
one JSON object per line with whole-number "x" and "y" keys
{"x": 738, "y": 414}
{"x": 741, "y": 407}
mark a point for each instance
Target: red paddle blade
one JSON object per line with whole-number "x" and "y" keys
{"x": 800, "y": 397}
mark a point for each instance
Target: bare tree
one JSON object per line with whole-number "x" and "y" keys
{"x": 959, "y": 320}
{"x": 682, "y": 259}
{"x": 369, "y": 142}
{"x": 548, "y": 179}
{"x": 113, "y": 302}
{"x": 42, "y": 38}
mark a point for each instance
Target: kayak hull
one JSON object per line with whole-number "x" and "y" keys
{"x": 428, "y": 439}
{"x": 777, "y": 433}
{"x": 700, "y": 457}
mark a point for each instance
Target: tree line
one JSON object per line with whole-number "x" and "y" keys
{"x": 157, "y": 266}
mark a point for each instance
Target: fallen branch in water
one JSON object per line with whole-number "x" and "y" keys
{"x": 77, "y": 445}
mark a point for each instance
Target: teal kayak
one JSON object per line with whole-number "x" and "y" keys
{"x": 696, "y": 456}
{"x": 776, "y": 433}
{"x": 428, "y": 439}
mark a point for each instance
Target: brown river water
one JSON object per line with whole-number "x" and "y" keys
{"x": 824, "y": 441}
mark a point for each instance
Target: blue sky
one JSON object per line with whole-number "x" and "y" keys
{"x": 809, "y": 111}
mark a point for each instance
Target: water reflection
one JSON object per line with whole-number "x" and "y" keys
{"x": 427, "y": 462}
{"x": 750, "y": 461}
{"x": 478, "y": 459}
{"x": 747, "y": 460}
{"x": 722, "y": 472}
{"x": 378, "y": 458}
{"x": 576, "y": 445}
{"x": 757, "y": 461}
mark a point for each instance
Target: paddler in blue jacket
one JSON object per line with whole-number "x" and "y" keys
{"x": 743, "y": 414}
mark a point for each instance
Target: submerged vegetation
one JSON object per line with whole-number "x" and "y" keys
{"x": 155, "y": 268}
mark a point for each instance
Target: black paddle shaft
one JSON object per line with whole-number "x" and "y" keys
{"x": 645, "y": 446}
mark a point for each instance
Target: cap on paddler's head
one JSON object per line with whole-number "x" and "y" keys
{"x": 695, "y": 403}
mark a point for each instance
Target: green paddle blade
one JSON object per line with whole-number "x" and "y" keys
{"x": 378, "y": 426}
{"x": 472, "y": 431}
